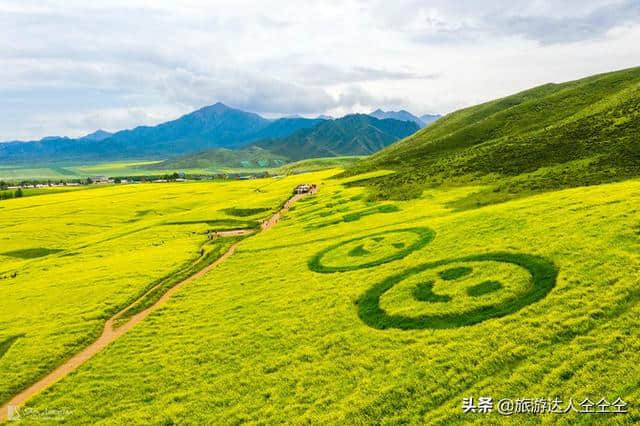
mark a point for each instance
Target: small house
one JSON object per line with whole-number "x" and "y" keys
{"x": 304, "y": 188}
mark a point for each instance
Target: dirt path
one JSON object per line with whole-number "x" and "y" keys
{"x": 233, "y": 233}
{"x": 276, "y": 217}
{"x": 109, "y": 333}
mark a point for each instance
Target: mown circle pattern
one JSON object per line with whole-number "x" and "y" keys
{"x": 358, "y": 257}
{"x": 543, "y": 279}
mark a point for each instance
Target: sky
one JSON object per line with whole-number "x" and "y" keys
{"x": 69, "y": 67}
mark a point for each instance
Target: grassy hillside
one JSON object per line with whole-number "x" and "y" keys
{"x": 313, "y": 164}
{"x": 220, "y": 158}
{"x": 356, "y": 134}
{"x": 553, "y": 136}
{"x": 353, "y": 135}
{"x": 349, "y": 313}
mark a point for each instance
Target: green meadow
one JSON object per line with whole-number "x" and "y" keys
{"x": 392, "y": 318}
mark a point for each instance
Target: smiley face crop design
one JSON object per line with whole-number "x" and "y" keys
{"x": 457, "y": 292}
{"x": 370, "y": 250}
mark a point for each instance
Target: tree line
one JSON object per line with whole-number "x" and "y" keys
{"x": 5, "y": 195}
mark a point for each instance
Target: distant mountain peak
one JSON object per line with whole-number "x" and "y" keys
{"x": 98, "y": 135}
{"x": 217, "y": 107}
{"x": 429, "y": 118}
{"x": 404, "y": 115}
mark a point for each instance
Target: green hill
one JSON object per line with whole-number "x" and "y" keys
{"x": 251, "y": 157}
{"x": 313, "y": 164}
{"x": 557, "y": 135}
{"x": 355, "y": 134}
{"x": 352, "y": 135}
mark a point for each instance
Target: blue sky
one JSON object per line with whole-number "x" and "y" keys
{"x": 70, "y": 67}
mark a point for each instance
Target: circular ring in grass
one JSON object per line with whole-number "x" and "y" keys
{"x": 457, "y": 292}
{"x": 370, "y": 250}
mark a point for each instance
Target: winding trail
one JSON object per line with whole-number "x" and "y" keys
{"x": 109, "y": 333}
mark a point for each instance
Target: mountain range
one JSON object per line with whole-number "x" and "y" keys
{"x": 403, "y": 115}
{"x": 219, "y": 127}
{"x": 355, "y": 134}
{"x": 212, "y": 126}
{"x": 98, "y": 135}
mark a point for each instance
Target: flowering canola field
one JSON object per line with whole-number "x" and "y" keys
{"x": 69, "y": 261}
{"x": 347, "y": 311}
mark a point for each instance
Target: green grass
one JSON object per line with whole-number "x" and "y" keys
{"x": 543, "y": 279}
{"x": 220, "y": 224}
{"x": 6, "y": 344}
{"x": 455, "y": 273}
{"x": 349, "y": 217}
{"x": 31, "y": 192}
{"x": 424, "y": 293}
{"x": 223, "y": 158}
{"x": 359, "y": 250}
{"x": 31, "y": 253}
{"x": 483, "y": 288}
{"x": 39, "y": 172}
{"x": 118, "y": 166}
{"x": 315, "y": 164}
{"x": 376, "y": 252}
{"x": 240, "y": 212}
{"x": 554, "y": 136}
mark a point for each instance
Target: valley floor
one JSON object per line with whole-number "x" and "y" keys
{"x": 347, "y": 311}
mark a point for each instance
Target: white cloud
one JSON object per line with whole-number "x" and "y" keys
{"x": 70, "y": 67}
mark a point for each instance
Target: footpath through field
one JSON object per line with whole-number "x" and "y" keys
{"x": 110, "y": 333}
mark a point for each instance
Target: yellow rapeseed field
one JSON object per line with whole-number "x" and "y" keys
{"x": 69, "y": 261}
{"x": 346, "y": 312}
